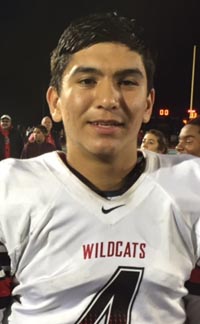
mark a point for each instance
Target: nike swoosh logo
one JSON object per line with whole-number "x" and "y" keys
{"x": 106, "y": 211}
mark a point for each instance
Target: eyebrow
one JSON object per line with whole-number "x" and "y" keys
{"x": 185, "y": 137}
{"x": 129, "y": 72}
{"x": 121, "y": 73}
{"x": 86, "y": 69}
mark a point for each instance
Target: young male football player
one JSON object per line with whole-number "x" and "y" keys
{"x": 189, "y": 138}
{"x": 103, "y": 234}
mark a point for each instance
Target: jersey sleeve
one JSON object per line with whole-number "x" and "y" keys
{"x": 5, "y": 282}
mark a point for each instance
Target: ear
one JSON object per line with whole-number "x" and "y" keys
{"x": 53, "y": 100}
{"x": 149, "y": 106}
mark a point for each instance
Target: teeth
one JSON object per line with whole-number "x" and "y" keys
{"x": 106, "y": 123}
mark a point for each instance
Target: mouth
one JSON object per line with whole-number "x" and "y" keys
{"x": 106, "y": 123}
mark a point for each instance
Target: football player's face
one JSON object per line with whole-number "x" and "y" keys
{"x": 189, "y": 140}
{"x": 103, "y": 100}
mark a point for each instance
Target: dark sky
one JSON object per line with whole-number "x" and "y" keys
{"x": 29, "y": 30}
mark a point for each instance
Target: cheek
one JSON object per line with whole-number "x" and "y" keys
{"x": 136, "y": 108}
{"x": 195, "y": 148}
{"x": 70, "y": 107}
{"x": 74, "y": 105}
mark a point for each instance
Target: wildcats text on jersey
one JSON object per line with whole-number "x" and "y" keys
{"x": 114, "y": 249}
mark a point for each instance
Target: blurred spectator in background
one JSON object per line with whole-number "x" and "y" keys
{"x": 189, "y": 138}
{"x": 39, "y": 145}
{"x": 22, "y": 130}
{"x": 52, "y": 136}
{"x": 29, "y": 131}
{"x": 154, "y": 140}
{"x": 11, "y": 142}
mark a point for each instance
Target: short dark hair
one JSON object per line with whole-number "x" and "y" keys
{"x": 98, "y": 28}
{"x": 194, "y": 122}
{"x": 162, "y": 141}
{"x": 42, "y": 128}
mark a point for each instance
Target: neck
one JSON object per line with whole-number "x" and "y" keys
{"x": 105, "y": 174}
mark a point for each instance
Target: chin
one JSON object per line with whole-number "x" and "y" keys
{"x": 105, "y": 154}
{"x": 105, "y": 157}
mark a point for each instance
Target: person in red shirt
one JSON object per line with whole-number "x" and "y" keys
{"x": 39, "y": 145}
{"x": 51, "y": 137}
{"x": 11, "y": 142}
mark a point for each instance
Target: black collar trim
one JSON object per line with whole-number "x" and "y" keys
{"x": 130, "y": 179}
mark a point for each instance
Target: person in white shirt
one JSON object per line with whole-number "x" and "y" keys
{"x": 105, "y": 233}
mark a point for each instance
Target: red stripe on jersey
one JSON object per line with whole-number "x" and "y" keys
{"x": 5, "y": 287}
{"x": 195, "y": 275}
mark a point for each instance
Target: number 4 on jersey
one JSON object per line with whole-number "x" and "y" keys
{"x": 114, "y": 302}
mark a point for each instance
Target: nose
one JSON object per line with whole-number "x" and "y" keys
{"x": 144, "y": 145}
{"x": 179, "y": 147}
{"x": 108, "y": 96}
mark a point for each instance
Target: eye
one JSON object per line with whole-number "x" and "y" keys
{"x": 87, "y": 82}
{"x": 189, "y": 141}
{"x": 128, "y": 82}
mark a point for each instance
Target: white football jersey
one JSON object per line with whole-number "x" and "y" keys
{"x": 81, "y": 258}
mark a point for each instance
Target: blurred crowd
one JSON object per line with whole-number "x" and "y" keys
{"x": 20, "y": 142}
{"x": 188, "y": 140}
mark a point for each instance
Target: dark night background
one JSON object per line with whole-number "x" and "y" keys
{"x": 29, "y": 30}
